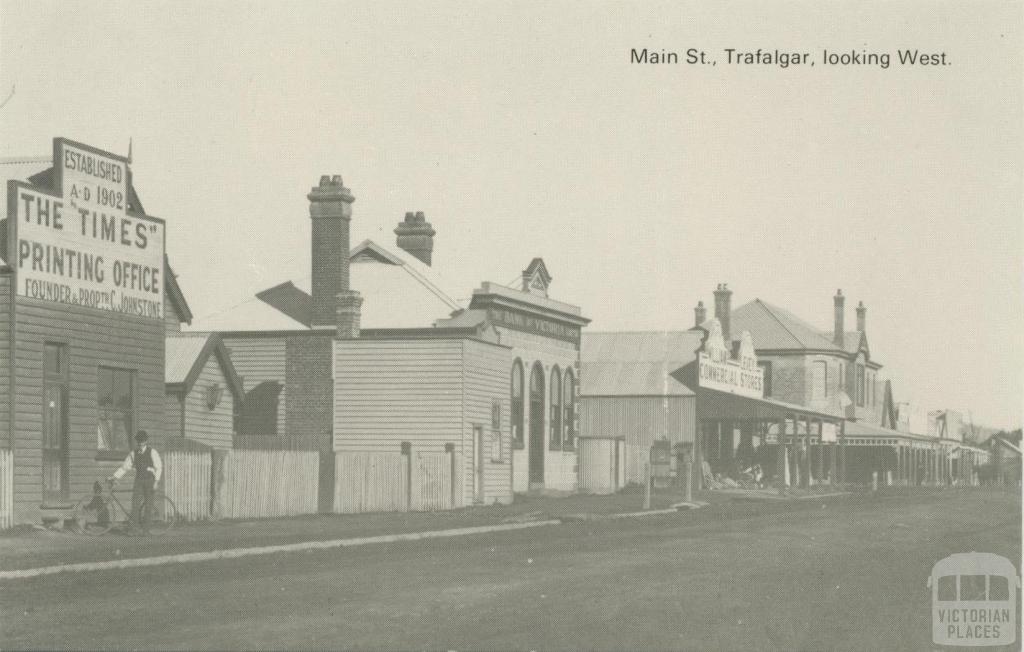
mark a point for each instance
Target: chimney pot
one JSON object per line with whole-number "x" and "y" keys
{"x": 416, "y": 236}
{"x": 861, "y": 317}
{"x": 336, "y": 180}
{"x": 325, "y": 180}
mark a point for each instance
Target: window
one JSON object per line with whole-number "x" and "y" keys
{"x": 116, "y": 398}
{"x": 555, "y": 437}
{"x": 860, "y": 385}
{"x": 569, "y": 406}
{"x": 819, "y": 379}
{"x": 767, "y": 367}
{"x": 517, "y": 404}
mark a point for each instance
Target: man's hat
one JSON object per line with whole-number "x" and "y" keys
{"x": 141, "y": 436}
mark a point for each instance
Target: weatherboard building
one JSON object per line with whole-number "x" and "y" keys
{"x": 87, "y": 300}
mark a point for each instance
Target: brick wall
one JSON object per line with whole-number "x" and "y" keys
{"x": 309, "y": 389}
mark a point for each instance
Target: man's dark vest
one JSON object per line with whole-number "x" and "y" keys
{"x": 142, "y": 462}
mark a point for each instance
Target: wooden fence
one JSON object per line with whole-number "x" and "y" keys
{"x": 265, "y": 483}
{"x": 393, "y": 482}
{"x": 187, "y": 479}
{"x": 242, "y": 484}
{"x": 6, "y": 489}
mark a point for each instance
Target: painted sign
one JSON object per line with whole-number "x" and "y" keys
{"x": 528, "y": 323}
{"x": 82, "y": 247}
{"x": 718, "y": 370}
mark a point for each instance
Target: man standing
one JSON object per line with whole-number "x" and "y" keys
{"x": 148, "y": 467}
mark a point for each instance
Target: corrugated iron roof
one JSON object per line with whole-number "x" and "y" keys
{"x": 636, "y": 363}
{"x": 181, "y": 352}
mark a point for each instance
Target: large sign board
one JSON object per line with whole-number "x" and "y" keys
{"x": 718, "y": 370}
{"x": 527, "y": 323}
{"x": 79, "y": 245}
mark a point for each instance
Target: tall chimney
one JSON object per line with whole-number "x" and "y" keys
{"x": 862, "y": 317}
{"x": 700, "y": 314}
{"x": 723, "y": 311}
{"x": 330, "y": 209}
{"x": 416, "y": 235}
{"x": 840, "y": 304}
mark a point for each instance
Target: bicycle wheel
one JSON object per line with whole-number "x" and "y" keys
{"x": 163, "y": 515}
{"x": 93, "y": 515}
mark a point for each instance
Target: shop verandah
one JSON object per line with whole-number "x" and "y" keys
{"x": 792, "y": 445}
{"x": 904, "y": 459}
{"x": 798, "y": 447}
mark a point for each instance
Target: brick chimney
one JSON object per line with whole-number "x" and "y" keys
{"x": 330, "y": 209}
{"x": 840, "y": 304}
{"x": 862, "y": 317}
{"x": 723, "y": 311}
{"x": 349, "y": 314}
{"x": 416, "y": 236}
{"x": 700, "y": 314}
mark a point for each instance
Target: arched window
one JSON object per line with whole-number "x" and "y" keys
{"x": 569, "y": 406}
{"x": 516, "y": 417}
{"x": 555, "y": 420}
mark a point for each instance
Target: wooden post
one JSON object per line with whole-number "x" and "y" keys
{"x": 688, "y": 470}
{"x": 407, "y": 459}
{"x": 842, "y": 453}
{"x": 450, "y": 449}
{"x": 780, "y": 457}
{"x": 647, "y": 484}
{"x": 874, "y": 481}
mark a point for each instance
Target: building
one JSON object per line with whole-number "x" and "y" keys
{"x": 86, "y": 300}
{"x": 629, "y": 391}
{"x": 201, "y": 389}
{"x": 544, "y": 334}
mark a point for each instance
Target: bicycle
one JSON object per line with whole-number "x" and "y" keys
{"x": 99, "y": 512}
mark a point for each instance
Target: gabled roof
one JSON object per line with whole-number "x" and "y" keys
{"x": 186, "y": 355}
{"x": 1008, "y": 444}
{"x": 637, "y": 363}
{"x": 774, "y": 328}
{"x": 398, "y": 291}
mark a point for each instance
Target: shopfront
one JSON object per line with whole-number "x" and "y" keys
{"x": 82, "y": 312}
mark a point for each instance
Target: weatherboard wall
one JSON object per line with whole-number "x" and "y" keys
{"x": 261, "y": 363}
{"x": 93, "y": 338}
{"x": 205, "y": 425}
{"x": 430, "y": 393}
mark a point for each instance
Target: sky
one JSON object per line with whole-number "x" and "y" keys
{"x": 523, "y": 130}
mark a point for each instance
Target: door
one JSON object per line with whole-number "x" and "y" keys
{"x": 55, "y": 425}
{"x": 478, "y": 464}
{"x": 537, "y": 425}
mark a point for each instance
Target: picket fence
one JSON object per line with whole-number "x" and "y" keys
{"x": 264, "y": 483}
{"x": 242, "y": 484}
{"x": 6, "y": 489}
{"x": 393, "y": 482}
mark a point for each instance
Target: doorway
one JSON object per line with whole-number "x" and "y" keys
{"x": 537, "y": 424}
{"x": 55, "y": 424}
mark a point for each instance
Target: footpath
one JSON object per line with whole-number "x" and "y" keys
{"x": 34, "y": 548}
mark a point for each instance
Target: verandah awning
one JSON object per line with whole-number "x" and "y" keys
{"x": 713, "y": 405}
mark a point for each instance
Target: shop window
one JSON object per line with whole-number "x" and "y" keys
{"x": 569, "y": 410}
{"x": 517, "y": 404}
{"x": 555, "y": 421}
{"x": 116, "y": 398}
{"x": 860, "y": 385}
{"x": 766, "y": 366}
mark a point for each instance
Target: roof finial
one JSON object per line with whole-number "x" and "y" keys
{"x": 129, "y": 150}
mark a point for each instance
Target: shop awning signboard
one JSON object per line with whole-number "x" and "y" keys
{"x": 717, "y": 370}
